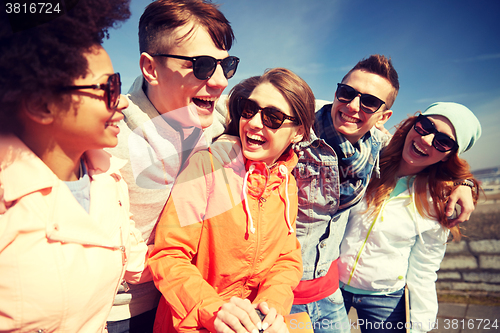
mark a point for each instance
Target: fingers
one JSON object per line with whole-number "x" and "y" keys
{"x": 463, "y": 217}
{"x": 460, "y": 197}
{"x": 238, "y": 315}
{"x": 227, "y": 151}
{"x": 450, "y": 205}
{"x": 273, "y": 322}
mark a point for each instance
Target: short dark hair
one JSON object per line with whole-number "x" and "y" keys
{"x": 162, "y": 17}
{"x": 36, "y": 62}
{"x": 380, "y": 65}
{"x": 294, "y": 89}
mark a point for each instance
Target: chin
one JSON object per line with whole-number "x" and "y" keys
{"x": 206, "y": 120}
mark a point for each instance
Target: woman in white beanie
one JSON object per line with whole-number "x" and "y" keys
{"x": 398, "y": 235}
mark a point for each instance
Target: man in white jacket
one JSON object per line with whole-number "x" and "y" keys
{"x": 172, "y": 104}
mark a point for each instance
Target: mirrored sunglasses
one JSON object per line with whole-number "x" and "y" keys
{"x": 442, "y": 142}
{"x": 368, "y": 103}
{"x": 112, "y": 89}
{"x": 271, "y": 117}
{"x": 204, "y": 66}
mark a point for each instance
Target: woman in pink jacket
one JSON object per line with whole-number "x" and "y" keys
{"x": 66, "y": 240}
{"x": 225, "y": 242}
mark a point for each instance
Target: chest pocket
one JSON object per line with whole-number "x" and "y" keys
{"x": 317, "y": 187}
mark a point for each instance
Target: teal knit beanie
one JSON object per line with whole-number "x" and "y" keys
{"x": 467, "y": 126}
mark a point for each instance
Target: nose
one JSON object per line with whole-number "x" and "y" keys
{"x": 256, "y": 120}
{"x": 427, "y": 139}
{"x": 354, "y": 104}
{"x": 218, "y": 80}
{"x": 122, "y": 104}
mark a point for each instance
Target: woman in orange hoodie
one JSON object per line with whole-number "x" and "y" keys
{"x": 226, "y": 237}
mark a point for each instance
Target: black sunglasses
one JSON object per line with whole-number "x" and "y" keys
{"x": 204, "y": 66}
{"x": 368, "y": 103}
{"x": 442, "y": 142}
{"x": 271, "y": 117}
{"x": 112, "y": 88}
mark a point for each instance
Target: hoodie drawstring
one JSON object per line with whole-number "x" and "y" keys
{"x": 245, "y": 181}
{"x": 284, "y": 172}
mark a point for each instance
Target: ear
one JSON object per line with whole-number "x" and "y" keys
{"x": 383, "y": 118}
{"x": 299, "y": 135}
{"x": 148, "y": 68}
{"x": 447, "y": 157}
{"x": 38, "y": 110}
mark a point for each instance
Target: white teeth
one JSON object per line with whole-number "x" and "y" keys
{"x": 420, "y": 150}
{"x": 206, "y": 99}
{"x": 256, "y": 137}
{"x": 112, "y": 123}
{"x": 349, "y": 119}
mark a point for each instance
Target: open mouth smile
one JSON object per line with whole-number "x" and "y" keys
{"x": 204, "y": 103}
{"x": 349, "y": 119}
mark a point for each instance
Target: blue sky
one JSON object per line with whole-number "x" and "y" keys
{"x": 443, "y": 50}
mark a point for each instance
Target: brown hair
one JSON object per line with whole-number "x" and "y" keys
{"x": 437, "y": 179}
{"x": 293, "y": 88}
{"x": 382, "y": 66}
{"x": 162, "y": 17}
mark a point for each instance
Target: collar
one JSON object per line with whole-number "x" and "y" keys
{"x": 22, "y": 172}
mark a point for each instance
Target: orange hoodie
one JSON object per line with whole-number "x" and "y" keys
{"x": 226, "y": 231}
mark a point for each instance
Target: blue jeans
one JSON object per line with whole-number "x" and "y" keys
{"x": 327, "y": 314}
{"x": 142, "y": 323}
{"x": 378, "y": 313}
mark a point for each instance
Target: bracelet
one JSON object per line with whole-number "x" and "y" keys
{"x": 465, "y": 182}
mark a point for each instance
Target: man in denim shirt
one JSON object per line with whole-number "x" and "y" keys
{"x": 347, "y": 150}
{"x": 332, "y": 174}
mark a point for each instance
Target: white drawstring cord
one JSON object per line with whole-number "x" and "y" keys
{"x": 284, "y": 172}
{"x": 250, "y": 170}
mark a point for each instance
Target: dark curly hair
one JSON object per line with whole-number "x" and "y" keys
{"x": 36, "y": 61}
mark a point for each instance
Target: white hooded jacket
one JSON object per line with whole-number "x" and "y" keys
{"x": 398, "y": 247}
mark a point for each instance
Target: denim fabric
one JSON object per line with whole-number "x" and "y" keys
{"x": 378, "y": 313}
{"x": 321, "y": 220}
{"x": 327, "y": 315}
{"x": 319, "y": 230}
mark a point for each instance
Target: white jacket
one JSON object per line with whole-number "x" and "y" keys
{"x": 399, "y": 247}
{"x": 154, "y": 146}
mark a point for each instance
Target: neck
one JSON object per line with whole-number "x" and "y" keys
{"x": 406, "y": 169}
{"x": 65, "y": 165}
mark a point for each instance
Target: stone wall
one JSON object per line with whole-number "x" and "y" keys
{"x": 472, "y": 266}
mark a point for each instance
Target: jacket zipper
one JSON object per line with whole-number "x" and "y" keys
{"x": 380, "y": 214}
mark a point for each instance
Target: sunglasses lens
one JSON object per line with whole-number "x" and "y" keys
{"x": 248, "y": 108}
{"x": 443, "y": 143}
{"x": 229, "y": 66}
{"x": 345, "y": 94}
{"x": 370, "y": 103}
{"x": 424, "y": 126}
{"x": 272, "y": 118}
{"x": 204, "y": 67}
{"x": 114, "y": 86}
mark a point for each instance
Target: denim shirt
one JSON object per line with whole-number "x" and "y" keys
{"x": 320, "y": 224}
